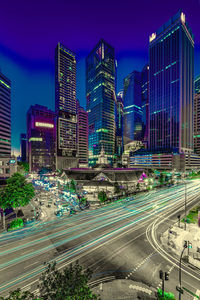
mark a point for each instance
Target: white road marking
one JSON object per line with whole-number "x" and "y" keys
{"x": 31, "y": 264}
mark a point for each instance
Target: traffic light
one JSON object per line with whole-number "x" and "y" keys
{"x": 185, "y": 244}
{"x": 166, "y": 276}
{"x": 189, "y": 245}
{"x": 161, "y": 274}
{"x": 179, "y": 216}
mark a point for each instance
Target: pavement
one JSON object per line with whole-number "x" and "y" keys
{"x": 122, "y": 289}
{"x": 174, "y": 239}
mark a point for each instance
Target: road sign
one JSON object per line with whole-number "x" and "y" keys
{"x": 179, "y": 289}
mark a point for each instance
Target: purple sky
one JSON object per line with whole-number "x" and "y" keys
{"x": 30, "y": 30}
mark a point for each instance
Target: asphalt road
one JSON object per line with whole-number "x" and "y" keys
{"x": 121, "y": 240}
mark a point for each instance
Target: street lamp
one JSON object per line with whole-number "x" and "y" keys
{"x": 179, "y": 288}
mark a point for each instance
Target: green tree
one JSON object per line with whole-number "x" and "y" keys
{"x": 161, "y": 179}
{"x": 17, "y": 192}
{"x": 138, "y": 187}
{"x": 102, "y": 196}
{"x": 24, "y": 165}
{"x": 73, "y": 186}
{"x": 67, "y": 284}
{"x": 19, "y": 295}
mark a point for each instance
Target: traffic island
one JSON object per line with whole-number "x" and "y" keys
{"x": 173, "y": 239}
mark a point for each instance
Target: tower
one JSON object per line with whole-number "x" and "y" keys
{"x": 171, "y": 55}
{"x": 100, "y": 91}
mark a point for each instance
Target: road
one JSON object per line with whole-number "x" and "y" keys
{"x": 121, "y": 240}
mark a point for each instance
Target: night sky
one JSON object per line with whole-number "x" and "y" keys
{"x": 31, "y": 29}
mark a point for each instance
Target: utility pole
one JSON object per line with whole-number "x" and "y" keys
{"x": 164, "y": 276}
{"x": 179, "y": 288}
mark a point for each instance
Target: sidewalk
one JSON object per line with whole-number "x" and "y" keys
{"x": 122, "y": 289}
{"x": 174, "y": 238}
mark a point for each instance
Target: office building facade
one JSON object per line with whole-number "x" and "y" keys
{"x": 41, "y": 138}
{"x": 197, "y": 122}
{"x": 119, "y": 115}
{"x": 23, "y": 146}
{"x": 145, "y": 103}
{"x": 5, "y": 116}
{"x": 65, "y": 105}
{"x": 82, "y": 134}
{"x": 100, "y": 91}
{"x": 132, "y": 128}
{"x": 197, "y": 85}
{"x": 171, "y": 55}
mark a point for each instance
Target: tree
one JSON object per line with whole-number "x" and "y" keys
{"x": 24, "y": 165}
{"x": 116, "y": 188}
{"x": 138, "y": 187}
{"x": 72, "y": 186}
{"x": 17, "y": 192}
{"x": 67, "y": 284}
{"x": 161, "y": 179}
{"x": 102, "y": 196}
{"x": 19, "y": 295}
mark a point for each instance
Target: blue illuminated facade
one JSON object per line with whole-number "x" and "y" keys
{"x": 145, "y": 102}
{"x": 119, "y": 115}
{"x": 197, "y": 85}
{"x": 171, "y": 55}
{"x": 132, "y": 107}
{"x": 100, "y": 94}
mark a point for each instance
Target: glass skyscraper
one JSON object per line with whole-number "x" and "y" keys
{"x": 65, "y": 101}
{"x": 100, "y": 92}
{"x": 5, "y": 116}
{"x": 119, "y": 115}
{"x": 132, "y": 129}
{"x": 171, "y": 55}
{"x": 145, "y": 102}
{"x": 197, "y": 85}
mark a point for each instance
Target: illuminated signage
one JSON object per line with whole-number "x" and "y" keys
{"x": 35, "y": 139}
{"x": 183, "y": 17}
{"x": 152, "y": 37}
{"x": 47, "y": 125}
{"x": 12, "y": 161}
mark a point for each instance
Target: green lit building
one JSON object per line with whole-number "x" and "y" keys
{"x": 100, "y": 92}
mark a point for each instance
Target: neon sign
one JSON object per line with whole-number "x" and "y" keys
{"x": 47, "y": 125}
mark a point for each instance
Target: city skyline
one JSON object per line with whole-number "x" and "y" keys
{"x": 30, "y": 68}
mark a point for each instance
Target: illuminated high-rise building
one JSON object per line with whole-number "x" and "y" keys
{"x": 145, "y": 103}
{"x": 65, "y": 105}
{"x": 119, "y": 114}
{"x": 100, "y": 91}
{"x": 5, "y": 116}
{"x": 171, "y": 58}
{"x": 197, "y": 85}
{"x": 132, "y": 129}
{"x": 41, "y": 138}
{"x": 82, "y": 134}
{"x": 23, "y": 146}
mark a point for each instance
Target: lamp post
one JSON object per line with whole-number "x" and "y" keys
{"x": 180, "y": 290}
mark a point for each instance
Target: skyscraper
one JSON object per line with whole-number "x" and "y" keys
{"x": 100, "y": 90}
{"x": 119, "y": 115}
{"x": 132, "y": 107}
{"x": 41, "y": 136}
{"x": 5, "y": 116}
{"x": 171, "y": 54}
{"x": 197, "y": 85}
{"x": 65, "y": 105}
{"x": 145, "y": 102}
{"x": 82, "y": 134}
{"x": 23, "y": 146}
